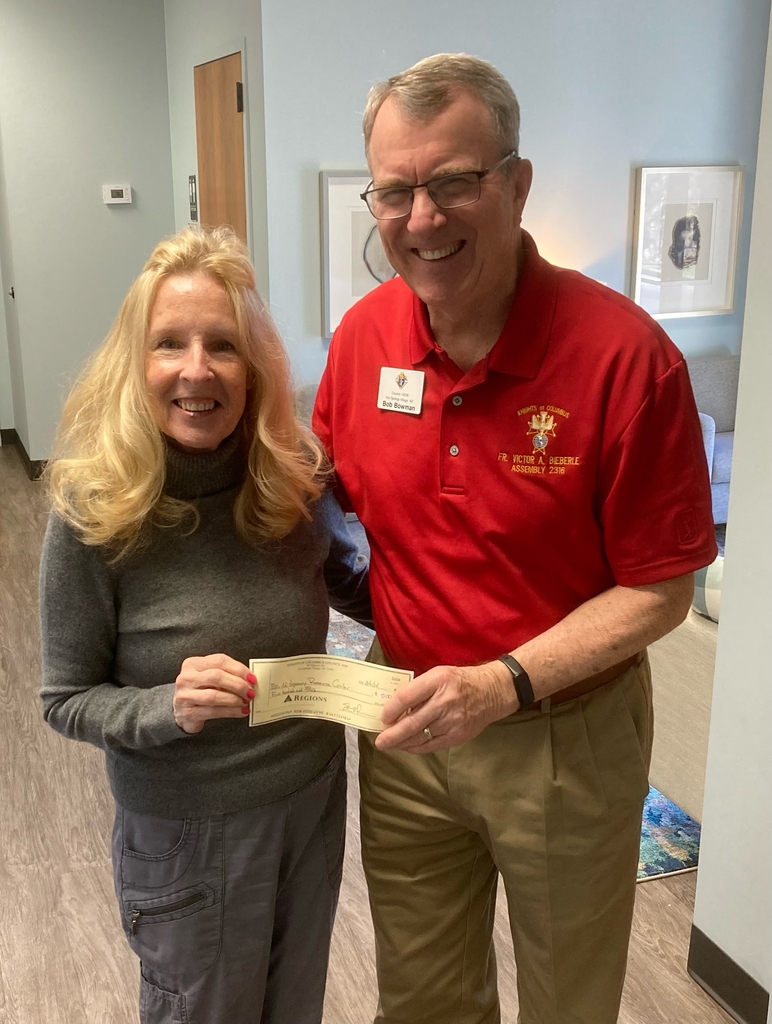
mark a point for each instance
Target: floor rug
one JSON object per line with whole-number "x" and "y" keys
{"x": 346, "y": 638}
{"x": 670, "y": 839}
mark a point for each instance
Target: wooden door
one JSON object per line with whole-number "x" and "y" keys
{"x": 220, "y": 144}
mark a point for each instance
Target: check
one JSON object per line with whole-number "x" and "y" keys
{"x": 323, "y": 686}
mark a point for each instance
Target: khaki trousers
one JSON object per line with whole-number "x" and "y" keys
{"x": 551, "y": 800}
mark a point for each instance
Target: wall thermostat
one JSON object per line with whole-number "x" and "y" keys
{"x": 116, "y": 194}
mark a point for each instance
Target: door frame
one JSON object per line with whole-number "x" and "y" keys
{"x": 217, "y": 52}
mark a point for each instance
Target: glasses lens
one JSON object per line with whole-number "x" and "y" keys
{"x": 389, "y": 203}
{"x": 455, "y": 190}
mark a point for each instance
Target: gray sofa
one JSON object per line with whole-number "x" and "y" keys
{"x": 714, "y": 382}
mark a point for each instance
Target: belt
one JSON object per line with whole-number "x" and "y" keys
{"x": 587, "y": 685}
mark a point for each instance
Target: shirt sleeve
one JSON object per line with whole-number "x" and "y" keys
{"x": 655, "y": 500}
{"x": 78, "y": 631}
{"x": 321, "y": 417}
{"x": 346, "y": 572}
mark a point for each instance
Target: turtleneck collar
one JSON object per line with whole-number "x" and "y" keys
{"x": 202, "y": 473}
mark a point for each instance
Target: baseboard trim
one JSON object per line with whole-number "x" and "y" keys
{"x": 34, "y": 468}
{"x": 725, "y": 981}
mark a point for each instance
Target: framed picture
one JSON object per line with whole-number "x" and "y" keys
{"x": 353, "y": 260}
{"x": 687, "y": 221}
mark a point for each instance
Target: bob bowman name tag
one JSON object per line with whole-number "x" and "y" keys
{"x": 401, "y": 390}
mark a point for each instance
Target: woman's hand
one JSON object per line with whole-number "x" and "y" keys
{"x": 212, "y": 687}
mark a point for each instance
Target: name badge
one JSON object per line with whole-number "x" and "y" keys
{"x": 401, "y": 390}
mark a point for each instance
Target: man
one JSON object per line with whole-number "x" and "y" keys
{"x": 522, "y": 447}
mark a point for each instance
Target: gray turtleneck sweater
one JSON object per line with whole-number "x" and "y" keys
{"x": 114, "y": 637}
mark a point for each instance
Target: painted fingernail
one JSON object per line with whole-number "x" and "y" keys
{"x": 251, "y": 694}
{"x": 251, "y": 679}
{"x": 245, "y": 709}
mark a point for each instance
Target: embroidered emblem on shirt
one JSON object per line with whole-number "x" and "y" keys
{"x": 542, "y": 428}
{"x": 686, "y": 525}
{"x": 541, "y": 422}
{"x": 401, "y": 380}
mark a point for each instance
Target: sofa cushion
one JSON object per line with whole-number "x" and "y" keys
{"x": 708, "y": 437}
{"x": 722, "y": 458}
{"x": 719, "y": 497}
{"x": 714, "y": 383}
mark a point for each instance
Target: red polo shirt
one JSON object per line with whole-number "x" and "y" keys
{"x": 568, "y": 460}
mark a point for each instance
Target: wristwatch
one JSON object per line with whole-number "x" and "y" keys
{"x": 521, "y": 681}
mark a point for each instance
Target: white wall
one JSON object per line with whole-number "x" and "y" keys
{"x": 6, "y": 392}
{"x": 6, "y": 395}
{"x": 83, "y": 100}
{"x": 603, "y": 86}
{"x": 16, "y": 415}
{"x": 198, "y": 31}
{"x": 734, "y": 887}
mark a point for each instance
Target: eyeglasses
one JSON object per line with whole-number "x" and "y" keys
{"x": 448, "y": 192}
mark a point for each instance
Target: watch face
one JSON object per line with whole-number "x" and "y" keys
{"x": 520, "y": 680}
{"x": 513, "y": 665}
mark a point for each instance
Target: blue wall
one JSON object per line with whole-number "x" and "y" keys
{"x": 604, "y": 86}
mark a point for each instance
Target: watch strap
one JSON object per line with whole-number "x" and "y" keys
{"x": 520, "y": 679}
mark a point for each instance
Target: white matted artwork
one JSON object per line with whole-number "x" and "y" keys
{"x": 687, "y": 223}
{"x": 353, "y": 260}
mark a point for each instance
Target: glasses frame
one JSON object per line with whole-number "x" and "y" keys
{"x": 425, "y": 184}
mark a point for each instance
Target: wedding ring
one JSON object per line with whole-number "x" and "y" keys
{"x": 428, "y": 733}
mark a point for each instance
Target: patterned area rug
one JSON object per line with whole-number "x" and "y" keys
{"x": 346, "y": 638}
{"x": 670, "y": 839}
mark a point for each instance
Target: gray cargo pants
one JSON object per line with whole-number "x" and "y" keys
{"x": 231, "y": 916}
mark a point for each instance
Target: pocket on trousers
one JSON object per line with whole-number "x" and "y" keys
{"x": 621, "y": 737}
{"x": 176, "y": 933}
{"x": 154, "y": 852}
{"x": 643, "y": 714}
{"x": 153, "y": 838}
{"x": 157, "y": 1006}
{"x": 170, "y": 899}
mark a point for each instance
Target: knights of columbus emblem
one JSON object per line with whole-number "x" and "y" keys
{"x": 401, "y": 379}
{"x": 542, "y": 424}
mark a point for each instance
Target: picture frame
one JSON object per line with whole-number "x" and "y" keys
{"x": 687, "y": 222}
{"x": 353, "y": 259}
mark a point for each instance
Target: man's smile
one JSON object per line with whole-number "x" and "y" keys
{"x": 438, "y": 254}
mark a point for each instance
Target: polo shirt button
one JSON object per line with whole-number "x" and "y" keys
{"x": 457, "y": 399}
{"x": 454, "y": 449}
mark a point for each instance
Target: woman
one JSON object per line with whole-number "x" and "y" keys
{"x": 192, "y": 531}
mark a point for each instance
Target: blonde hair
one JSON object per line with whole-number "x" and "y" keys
{"x": 107, "y": 476}
{"x": 426, "y": 89}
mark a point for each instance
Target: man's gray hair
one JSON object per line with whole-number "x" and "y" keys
{"x": 426, "y": 89}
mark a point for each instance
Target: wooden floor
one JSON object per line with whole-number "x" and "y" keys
{"x": 63, "y": 959}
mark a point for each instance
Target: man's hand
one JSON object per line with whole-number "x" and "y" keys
{"x": 212, "y": 687}
{"x": 455, "y": 704}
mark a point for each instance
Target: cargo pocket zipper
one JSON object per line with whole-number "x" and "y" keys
{"x": 168, "y": 908}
